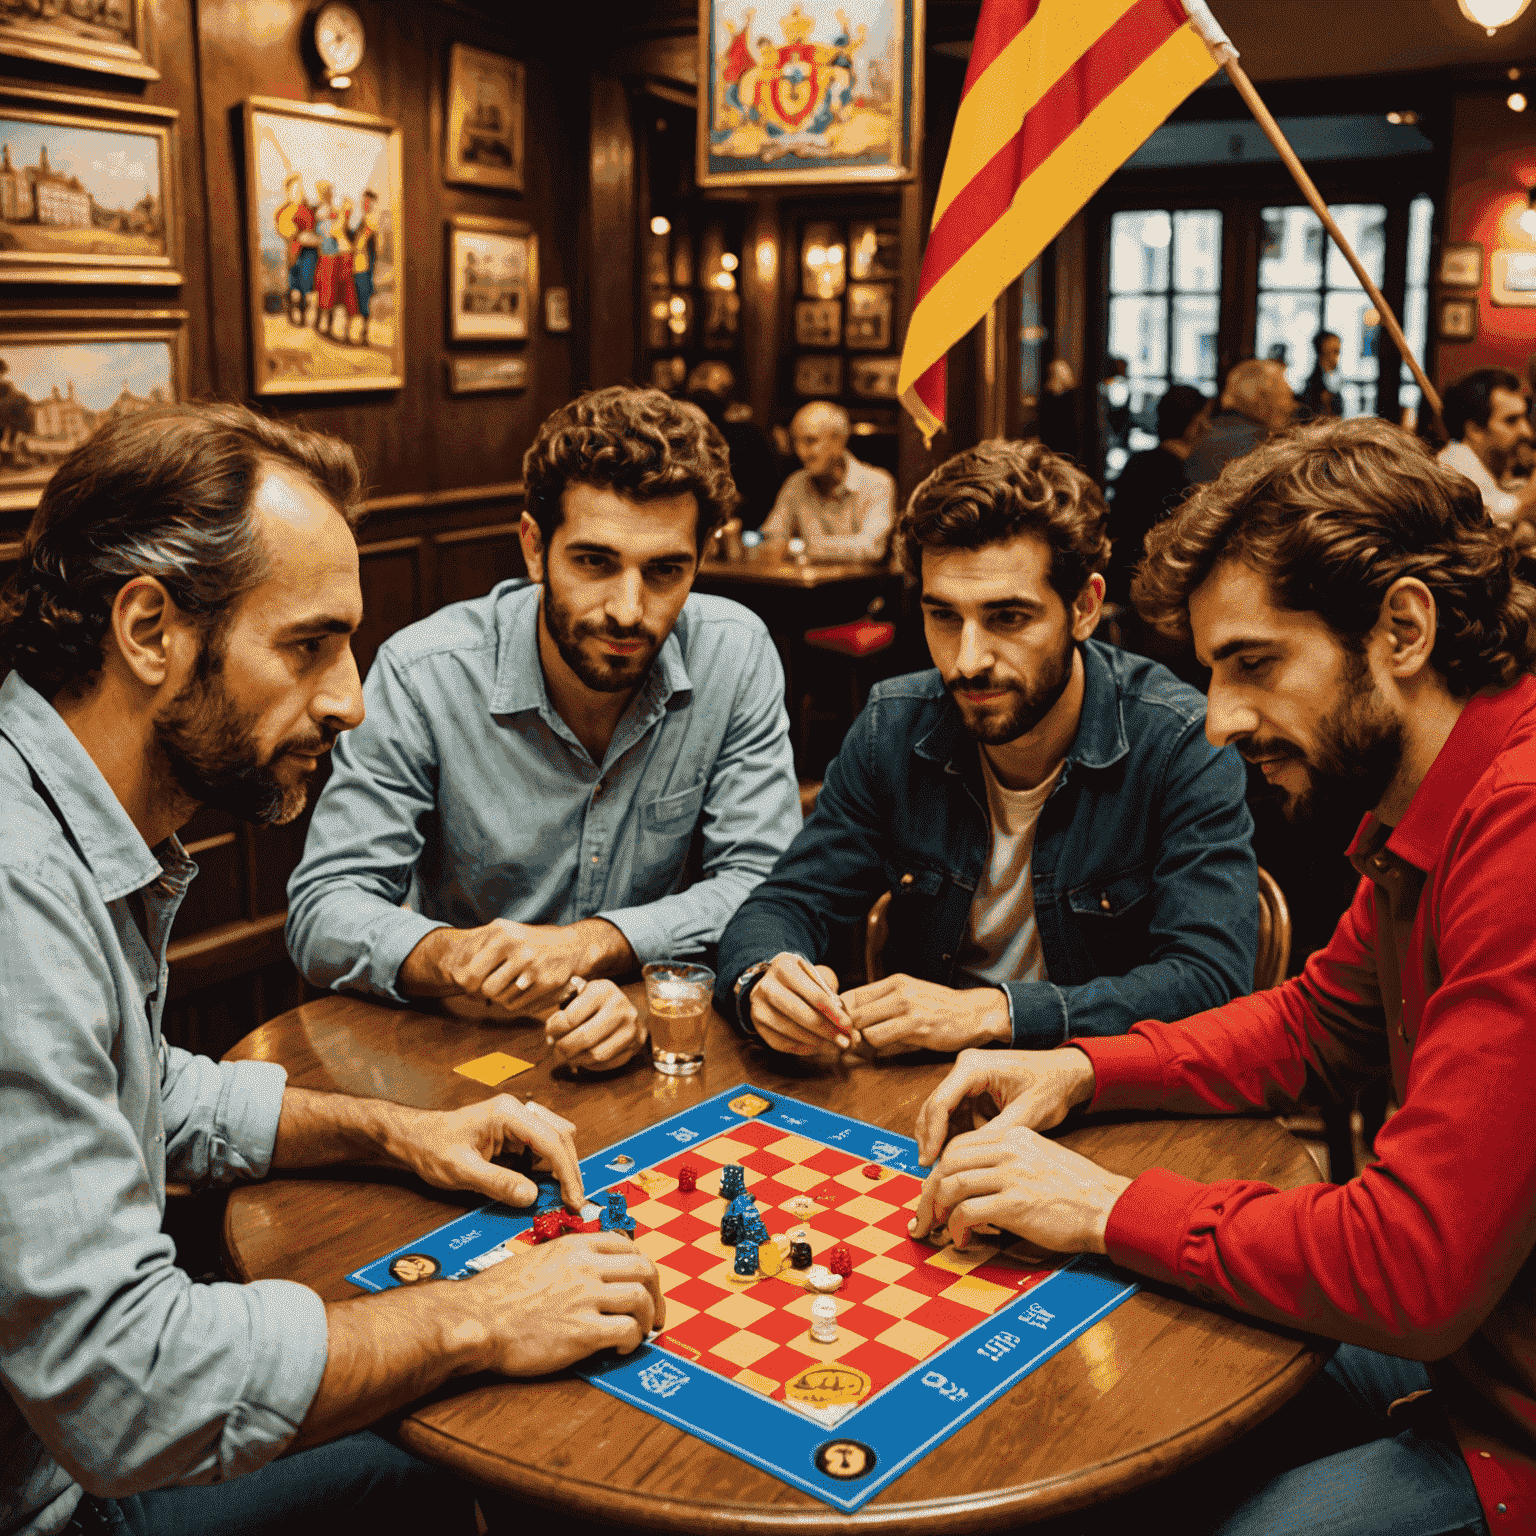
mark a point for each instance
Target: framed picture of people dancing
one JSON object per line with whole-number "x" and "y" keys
{"x": 807, "y": 91}
{"x": 327, "y": 265}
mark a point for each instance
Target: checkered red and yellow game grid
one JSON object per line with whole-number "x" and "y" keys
{"x": 904, "y": 1301}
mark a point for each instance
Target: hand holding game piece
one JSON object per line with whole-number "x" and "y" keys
{"x": 1011, "y": 1177}
{"x": 598, "y": 1027}
{"x": 795, "y": 1008}
{"x": 453, "y": 1149}
{"x": 901, "y": 1013}
{"x": 1035, "y": 1089}
{"x": 554, "y": 1305}
{"x": 546, "y": 1226}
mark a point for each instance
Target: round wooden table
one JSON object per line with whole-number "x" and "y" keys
{"x": 1155, "y": 1385}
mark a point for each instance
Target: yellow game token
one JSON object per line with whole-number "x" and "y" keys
{"x": 770, "y": 1258}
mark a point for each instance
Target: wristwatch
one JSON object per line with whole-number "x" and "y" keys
{"x": 745, "y": 983}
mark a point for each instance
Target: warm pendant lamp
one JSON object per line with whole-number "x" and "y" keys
{"x": 1490, "y": 15}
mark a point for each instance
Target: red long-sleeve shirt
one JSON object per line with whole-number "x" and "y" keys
{"x": 1430, "y": 975}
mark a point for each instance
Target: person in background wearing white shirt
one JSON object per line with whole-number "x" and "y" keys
{"x": 843, "y": 509}
{"x": 1485, "y": 416}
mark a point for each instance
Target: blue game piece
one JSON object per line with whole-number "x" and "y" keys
{"x": 548, "y": 1198}
{"x": 730, "y": 1228}
{"x": 616, "y": 1217}
{"x": 746, "y": 1258}
{"x": 733, "y": 1181}
{"x": 745, "y": 1205}
{"x": 754, "y": 1231}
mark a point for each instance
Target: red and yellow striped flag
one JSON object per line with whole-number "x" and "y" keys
{"x": 1059, "y": 94}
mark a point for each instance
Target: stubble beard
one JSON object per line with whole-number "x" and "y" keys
{"x": 600, "y": 675}
{"x": 1028, "y": 706}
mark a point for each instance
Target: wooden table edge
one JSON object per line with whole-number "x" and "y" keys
{"x": 966, "y": 1513}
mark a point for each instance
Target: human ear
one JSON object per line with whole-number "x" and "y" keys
{"x": 533, "y": 547}
{"x": 1088, "y": 607}
{"x": 145, "y": 630}
{"x": 1408, "y": 618}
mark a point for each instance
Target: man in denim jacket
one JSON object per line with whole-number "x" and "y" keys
{"x": 1066, "y": 853}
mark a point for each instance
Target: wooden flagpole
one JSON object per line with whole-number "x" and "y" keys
{"x": 1226, "y": 55}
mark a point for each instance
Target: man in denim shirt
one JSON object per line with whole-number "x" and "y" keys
{"x": 1066, "y": 853}
{"x": 515, "y": 817}
{"x": 178, "y": 634}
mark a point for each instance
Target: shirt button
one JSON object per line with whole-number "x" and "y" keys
{"x": 906, "y": 879}
{"x": 594, "y": 858}
{"x": 1486, "y": 1455}
{"x": 1500, "y": 1509}
{"x": 1104, "y": 903}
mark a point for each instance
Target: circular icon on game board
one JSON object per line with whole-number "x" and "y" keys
{"x": 411, "y": 1267}
{"x": 751, "y": 1104}
{"x": 846, "y": 1460}
{"x": 827, "y": 1386}
{"x": 623, "y": 1162}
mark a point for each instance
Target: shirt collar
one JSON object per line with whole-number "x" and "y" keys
{"x": 519, "y": 684}
{"x": 119, "y": 859}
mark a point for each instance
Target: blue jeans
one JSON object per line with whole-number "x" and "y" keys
{"x": 1330, "y": 1463}
{"x": 360, "y": 1483}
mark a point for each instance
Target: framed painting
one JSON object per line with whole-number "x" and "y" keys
{"x": 483, "y": 137}
{"x": 1511, "y": 281}
{"x": 818, "y": 322}
{"x": 874, "y": 378}
{"x": 804, "y": 91}
{"x": 57, "y": 387}
{"x": 327, "y": 266}
{"x": 493, "y": 278}
{"x": 1461, "y": 265}
{"x": 1458, "y": 320}
{"x": 874, "y": 250}
{"x": 87, "y": 191}
{"x": 869, "y": 316}
{"x": 104, "y": 35}
{"x": 819, "y": 375}
{"x": 486, "y": 375}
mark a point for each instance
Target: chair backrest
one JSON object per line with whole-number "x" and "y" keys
{"x": 1274, "y": 956}
{"x": 1269, "y": 967}
{"x": 808, "y": 794}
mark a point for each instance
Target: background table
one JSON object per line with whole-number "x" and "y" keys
{"x": 1155, "y": 1385}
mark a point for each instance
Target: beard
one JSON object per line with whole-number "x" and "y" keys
{"x": 602, "y": 674}
{"x": 1359, "y": 751}
{"x": 1027, "y": 705}
{"x": 208, "y": 749}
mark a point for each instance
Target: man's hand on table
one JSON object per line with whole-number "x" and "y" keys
{"x": 792, "y": 1013}
{"x": 599, "y": 1027}
{"x": 1011, "y": 1177}
{"x": 522, "y": 967}
{"x": 1034, "y": 1089}
{"x": 902, "y": 1013}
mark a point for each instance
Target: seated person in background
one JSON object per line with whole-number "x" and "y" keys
{"x": 1368, "y": 642}
{"x": 1255, "y": 401}
{"x": 841, "y": 508}
{"x": 755, "y": 468}
{"x": 1152, "y": 484}
{"x": 536, "y": 761}
{"x": 1485, "y": 417}
{"x": 178, "y": 633}
{"x": 1066, "y": 852}
{"x": 1320, "y": 394}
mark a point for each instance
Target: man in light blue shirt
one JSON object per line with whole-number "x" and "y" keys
{"x": 515, "y": 817}
{"x": 178, "y": 634}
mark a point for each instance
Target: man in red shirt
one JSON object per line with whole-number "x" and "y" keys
{"x": 1369, "y": 643}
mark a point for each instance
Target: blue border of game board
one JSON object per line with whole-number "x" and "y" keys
{"x": 899, "y": 1424}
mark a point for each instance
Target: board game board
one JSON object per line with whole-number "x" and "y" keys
{"x": 927, "y": 1335}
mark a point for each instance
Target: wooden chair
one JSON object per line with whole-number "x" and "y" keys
{"x": 1268, "y": 971}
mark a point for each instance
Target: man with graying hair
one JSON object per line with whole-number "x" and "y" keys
{"x": 1255, "y": 401}
{"x": 841, "y": 508}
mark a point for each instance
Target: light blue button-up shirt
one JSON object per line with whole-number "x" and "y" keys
{"x": 465, "y": 795}
{"x": 122, "y": 1374}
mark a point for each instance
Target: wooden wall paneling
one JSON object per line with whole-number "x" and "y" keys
{"x": 395, "y": 589}
{"x": 611, "y": 280}
{"x": 470, "y": 561}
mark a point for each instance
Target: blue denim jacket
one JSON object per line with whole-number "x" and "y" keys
{"x": 1144, "y": 880}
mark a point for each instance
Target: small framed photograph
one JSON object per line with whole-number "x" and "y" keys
{"x": 57, "y": 387}
{"x": 1512, "y": 280}
{"x": 869, "y": 316}
{"x": 819, "y": 375}
{"x": 486, "y": 375}
{"x": 818, "y": 322}
{"x": 1461, "y": 265}
{"x": 722, "y": 319}
{"x": 109, "y": 36}
{"x": 483, "y": 137}
{"x": 557, "y": 310}
{"x": 493, "y": 278}
{"x": 1458, "y": 319}
{"x": 874, "y": 251}
{"x": 874, "y": 378}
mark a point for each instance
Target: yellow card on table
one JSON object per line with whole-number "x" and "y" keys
{"x": 493, "y": 1069}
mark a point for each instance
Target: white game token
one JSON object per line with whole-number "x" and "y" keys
{"x": 824, "y": 1320}
{"x": 590, "y": 1212}
{"x": 820, "y": 1278}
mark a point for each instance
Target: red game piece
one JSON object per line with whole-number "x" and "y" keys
{"x": 840, "y": 1261}
{"x": 873, "y": 1171}
{"x": 569, "y": 1221}
{"x": 687, "y": 1178}
{"x": 546, "y": 1226}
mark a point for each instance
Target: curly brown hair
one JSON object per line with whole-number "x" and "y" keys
{"x": 638, "y": 442}
{"x": 1331, "y": 514}
{"x": 164, "y": 493}
{"x": 998, "y": 490}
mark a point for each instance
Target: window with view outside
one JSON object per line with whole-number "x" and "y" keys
{"x": 1415, "y": 315}
{"x": 1164, "y": 308}
{"x": 1306, "y": 286}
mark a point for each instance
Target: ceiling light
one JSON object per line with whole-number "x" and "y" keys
{"x": 728, "y": 261}
{"x": 661, "y": 225}
{"x": 1407, "y": 119}
{"x": 1515, "y": 102}
{"x": 1490, "y": 15}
